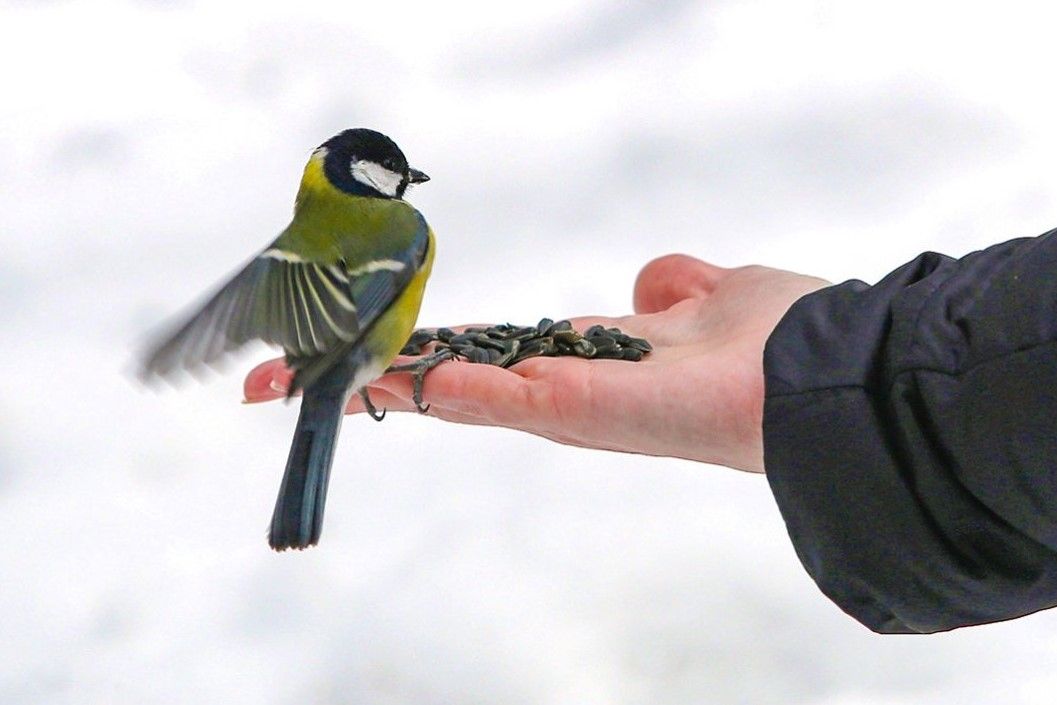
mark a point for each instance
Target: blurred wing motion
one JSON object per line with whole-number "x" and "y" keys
{"x": 314, "y": 310}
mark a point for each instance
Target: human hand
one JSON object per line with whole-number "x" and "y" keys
{"x": 698, "y": 395}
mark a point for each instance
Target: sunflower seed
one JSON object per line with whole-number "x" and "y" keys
{"x": 603, "y": 343}
{"x": 568, "y": 337}
{"x": 584, "y": 348}
{"x": 558, "y": 327}
{"x": 639, "y": 344}
{"x": 506, "y": 344}
{"x": 632, "y": 354}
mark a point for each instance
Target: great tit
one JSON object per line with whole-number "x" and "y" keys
{"x": 339, "y": 290}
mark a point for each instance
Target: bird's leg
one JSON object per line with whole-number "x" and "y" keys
{"x": 371, "y": 408}
{"x": 418, "y": 370}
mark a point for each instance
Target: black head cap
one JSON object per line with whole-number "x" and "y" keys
{"x": 348, "y": 148}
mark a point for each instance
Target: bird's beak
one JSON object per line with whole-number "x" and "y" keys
{"x": 417, "y": 177}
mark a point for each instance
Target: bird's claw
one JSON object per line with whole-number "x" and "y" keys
{"x": 371, "y": 408}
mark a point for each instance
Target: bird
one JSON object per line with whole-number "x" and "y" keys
{"x": 339, "y": 290}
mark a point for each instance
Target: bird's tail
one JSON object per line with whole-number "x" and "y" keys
{"x": 298, "y": 517}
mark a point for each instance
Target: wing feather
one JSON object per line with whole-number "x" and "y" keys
{"x": 314, "y": 310}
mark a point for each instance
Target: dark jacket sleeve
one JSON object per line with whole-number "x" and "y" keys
{"x": 910, "y": 435}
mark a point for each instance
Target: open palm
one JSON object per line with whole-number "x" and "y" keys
{"x": 698, "y": 395}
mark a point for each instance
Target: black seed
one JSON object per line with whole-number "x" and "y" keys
{"x": 569, "y": 337}
{"x": 584, "y": 348}
{"x": 510, "y": 355}
{"x": 417, "y": 340}
{"x": 461, "y": 338}
{"x": 445, "y": 334}
{"x": 534, "y": 347}
{"x": 506, "y": 329}
{"x": 550, "y": 348}
{"x": 639, "y": 344}
{"x": 422, "y": 336}
{"x": 558, "y": 326}
{"x": 523, "y": 333}
{"x": 594, "y": 330}
{"x": 603, "y": 342}
{"x": 631, "y": 354}
{"x": 539, "y": 347}
{"x": 543, "y": 325}
{"x": 484, "y": 341}
{"x": 463, "y": 348}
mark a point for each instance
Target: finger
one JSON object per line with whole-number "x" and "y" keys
{"x": 492, "y": 394}
{"x": 668, "y": 280}
{"x": 267, "y": 381}
{"x": 473, "y": 420}
{"x": 471, "y": 414}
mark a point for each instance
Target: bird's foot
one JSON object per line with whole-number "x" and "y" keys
{"x": 418, "y": 370}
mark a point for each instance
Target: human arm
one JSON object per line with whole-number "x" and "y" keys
{"x": 911, "y": 436}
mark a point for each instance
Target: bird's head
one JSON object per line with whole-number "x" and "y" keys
{"x": 367, "y": 163}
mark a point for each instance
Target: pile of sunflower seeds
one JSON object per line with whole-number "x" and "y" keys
{"x": 506, "y": 344}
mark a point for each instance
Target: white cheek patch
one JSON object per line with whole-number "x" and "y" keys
{"x": 377, "y": 177}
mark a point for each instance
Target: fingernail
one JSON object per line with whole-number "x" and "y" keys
{"x": 257, "y": 390}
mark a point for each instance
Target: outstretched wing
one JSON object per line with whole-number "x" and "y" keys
{"x": 308, "y": 307}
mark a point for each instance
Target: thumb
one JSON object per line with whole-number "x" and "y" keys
{"x": 668, "y": 280}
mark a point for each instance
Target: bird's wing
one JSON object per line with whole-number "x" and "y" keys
{"x": 308, "y": 306}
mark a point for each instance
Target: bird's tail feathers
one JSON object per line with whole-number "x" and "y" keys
{"x": 298, "y": 517}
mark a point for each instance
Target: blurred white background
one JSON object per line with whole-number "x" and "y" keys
{"x": 148, "y": 148}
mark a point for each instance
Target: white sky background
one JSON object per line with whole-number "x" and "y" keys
{"x": 148, "y": 148}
